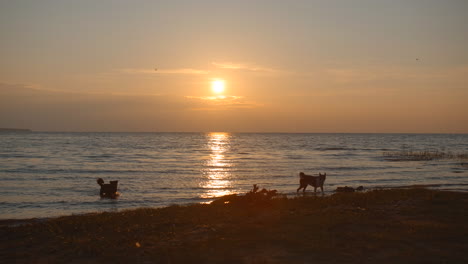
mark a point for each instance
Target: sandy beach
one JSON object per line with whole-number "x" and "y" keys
{"x": 386, "y": 226}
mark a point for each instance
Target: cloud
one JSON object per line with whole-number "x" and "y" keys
{"x": 242, "y": 66}
{"x": 4, "y": 86}
{"x": 344, "y": 75}
{"x": 371, "y": 74}
{"x": 219, "y": 98}
{"x": 190, "y": 71}
{"x": 183, "y": 71}
{"x": 221, "y": 102}
{"x": 48, "y": 110}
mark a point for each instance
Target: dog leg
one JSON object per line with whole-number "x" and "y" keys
{"x": 299, "y": 188}
{"x": 304, "y": 188}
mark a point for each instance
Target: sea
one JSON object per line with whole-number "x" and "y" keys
{"x": 45, "y": 174}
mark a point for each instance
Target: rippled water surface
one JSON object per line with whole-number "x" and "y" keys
{"x": 50, "y": 174}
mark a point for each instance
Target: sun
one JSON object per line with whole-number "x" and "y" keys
{"x": 217, "y": 86}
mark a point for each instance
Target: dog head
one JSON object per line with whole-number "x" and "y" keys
{"x": 323, "y": 176}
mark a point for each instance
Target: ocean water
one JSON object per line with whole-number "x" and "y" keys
{"x": 53, "y": 174}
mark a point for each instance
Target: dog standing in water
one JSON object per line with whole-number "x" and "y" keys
{"x": 108, "y": 190}
{"x": 316, "y": 181}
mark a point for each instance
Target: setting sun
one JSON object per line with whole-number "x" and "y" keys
{"x": 217, "y": 86}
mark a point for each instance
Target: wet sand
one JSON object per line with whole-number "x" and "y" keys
{"x": 382, "y": 226}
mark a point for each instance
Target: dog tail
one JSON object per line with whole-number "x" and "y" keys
{"x": 100, "y": 181}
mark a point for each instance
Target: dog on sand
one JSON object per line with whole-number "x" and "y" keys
{"x": 316, "y": 181}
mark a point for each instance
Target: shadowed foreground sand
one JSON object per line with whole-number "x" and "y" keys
{"x": 384, "y": 226}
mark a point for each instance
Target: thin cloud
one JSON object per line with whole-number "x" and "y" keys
{"x": 220, "y": 102}
{"x": 242, "y": 66}
{"x": 354, "y": 75}
{"x": 25, "y": 87}
{"x": 182, "y": 71}
{"x": 218, "y": 98}
{"x": 39, "y": 90}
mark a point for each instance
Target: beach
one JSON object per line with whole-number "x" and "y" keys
{"x": 413, "y": 225}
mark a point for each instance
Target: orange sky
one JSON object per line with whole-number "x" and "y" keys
{"x": 300, "y": 66}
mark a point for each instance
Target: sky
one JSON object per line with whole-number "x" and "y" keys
{"x": 363, "y": 66}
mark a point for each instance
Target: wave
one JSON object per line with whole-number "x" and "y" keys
{"x": 333, "y": 148}
{"x": 25, "y": 156}
{"x": 295, "y": 157}
{"x": 98, "y": 171}
{"x": 439, "y": 185}
{"x": 356, "y": 168}
{"x": 101, "y": 156}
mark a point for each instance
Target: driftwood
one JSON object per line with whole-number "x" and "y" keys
{"x": 349, "y": 189}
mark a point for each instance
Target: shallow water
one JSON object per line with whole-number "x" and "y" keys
{"x": 51, "y": 174}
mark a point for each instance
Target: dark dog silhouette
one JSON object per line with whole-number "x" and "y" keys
{"x": 316, "y": 181}
{"x": 108, "y": 190}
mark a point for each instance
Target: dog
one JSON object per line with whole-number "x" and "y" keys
{"x": 108, "y": 190}
{"x": 316, "y": 181}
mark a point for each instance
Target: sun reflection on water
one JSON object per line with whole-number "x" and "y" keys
{"x": 217, "y": 181}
